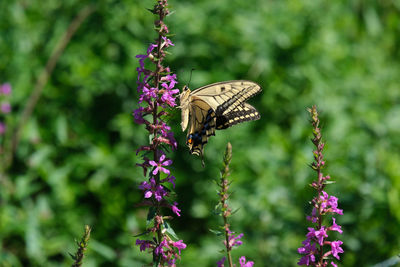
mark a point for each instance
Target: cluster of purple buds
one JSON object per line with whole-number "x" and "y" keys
{"x": 5, "y": 107}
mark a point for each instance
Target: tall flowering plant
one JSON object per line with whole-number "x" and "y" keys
{"x": 5, "y": 108}
{"x": 317, "y": 249}
{"x": 156, "y": 86}
{"x": 231, "y": 240}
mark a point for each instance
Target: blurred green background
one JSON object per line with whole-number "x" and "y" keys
{"x": 75, "y": 163}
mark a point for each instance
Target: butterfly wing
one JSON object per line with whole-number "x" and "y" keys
{"x": 243, "y": 112}
{"x": 226, "y": 96}
{"x": 202, "y": 122}
{"x": 217, "y": 106}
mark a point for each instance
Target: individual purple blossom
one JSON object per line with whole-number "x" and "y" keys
{"x": 336, "y": 249}
{"x": 159, "y": 165}
{"x": 335, "y": 227}
{"x": 170, "y": 179}
{"x": 153, "y": 189}
{"x": 144, "y": 244}
{"x": 243, "y": 263}
{"x": 220, "y": 263}
{"x": 179, "y": 245}
{"x": 320, "y": 235}
{"x": 159, "y": 250}
{"x": 167, "y": 42}
{"x": 175, "y": 209}
{"x": 5, "y": 107}
{"x": 171, "y": 79}
{"x": 5, "y": 89}
{"x": 234, "y": 240}
{"x": 138, "y": 115}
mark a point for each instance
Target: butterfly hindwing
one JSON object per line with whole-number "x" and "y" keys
{"x": 242, "y": 113}
{"x": 202, "y": 125}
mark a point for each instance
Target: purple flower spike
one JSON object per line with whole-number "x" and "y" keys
{"x": 155, "y": 85}
{"x": 317, "y": 236}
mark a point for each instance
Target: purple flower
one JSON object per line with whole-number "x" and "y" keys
{"x": 160, "y": 164}
{"x": 335, "y": 227}
{"x": 333, "y": 264}
{"x": 336, "y": 249}
{"x": 167, "y": 42}
{"x": 137, "y": 113}
{"x": 175, "y": 209}
{"x": 5, "y": 107}
{"x": 2, "y": 128}
{"x": 306, "y": 260}
{"x": 5, "y": 89}
{"x": 179, "y": 245}
{"x": 165, "y": 129}
{"x": 160, "y": 249}
{"x": 242, "y": 261}
{"x": 220, "y": 263}
{"x": 308, "y": 249}
{"x": 144, "y": 244}
{"x": 148, "y": 93}
{"x": 171, "y": 79}
{"x": 170, "y": 179}
{"x": 313, "y": 216}
{"x": 319, "y": 234}
{"x": 153, "y": 189}
{"x": 234, "y": 241}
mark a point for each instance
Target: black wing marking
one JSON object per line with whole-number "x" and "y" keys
{"x": 236, "y": 100}
{"x": 242, "y": 113}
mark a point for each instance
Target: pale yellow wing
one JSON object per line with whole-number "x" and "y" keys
{"x": 227, "y": 95}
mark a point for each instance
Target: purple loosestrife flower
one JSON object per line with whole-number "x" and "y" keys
{"x": 243, "y": 263}
{"x": 5, "y": 89}
{"x": 159, "y": 165}
{"x": 220, "y": 263}
{"x": 5, "y": 107}
{"x": 156, "y": 86}
{"x": 323, "y": 204}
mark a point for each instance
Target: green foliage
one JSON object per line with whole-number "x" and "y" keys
{"x": 75, "y": 163}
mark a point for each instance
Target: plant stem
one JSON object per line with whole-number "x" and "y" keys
{"x": 43, "y": 78}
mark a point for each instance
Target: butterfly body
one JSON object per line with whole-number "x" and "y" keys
{"x": 215, "y": 106}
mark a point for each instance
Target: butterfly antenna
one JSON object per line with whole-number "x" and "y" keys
{"x": 190, "y": 77}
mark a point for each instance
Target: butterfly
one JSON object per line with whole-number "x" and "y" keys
{"x": 215, "y": 106}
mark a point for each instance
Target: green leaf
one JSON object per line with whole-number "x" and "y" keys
{"x": 170, "y": 231}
